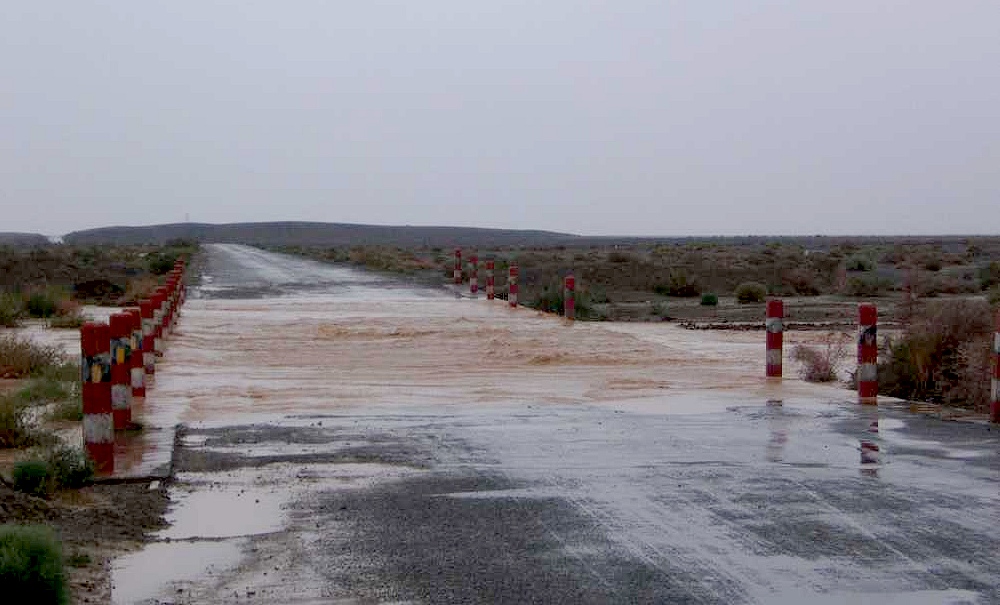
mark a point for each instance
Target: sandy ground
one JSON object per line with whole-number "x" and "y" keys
{"x": 351, "y": 440}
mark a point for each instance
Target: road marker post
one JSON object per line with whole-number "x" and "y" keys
{"x": 490, "y": 287}
{"x": 995, "y": 383}
{"x": 458, "y": 266}
{"x": 774, "y": 326}
{"x": 147, "y": 310}
{"x": 120, "y": 327}
{"x": 137, "y": 372}
{"x": 474, "y": 275}
{"x": 159, "y": 316}
{"x": 512, "y": 275}
{"x": 867, "y": 354}
{"x": 569, "y": 297}
{"x": 95, "y": 373}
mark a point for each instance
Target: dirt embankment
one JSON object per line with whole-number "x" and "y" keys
{"x": 95, "y": 524}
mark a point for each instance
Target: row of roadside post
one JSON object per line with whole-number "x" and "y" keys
{"x": 867, "y": 368}
{"x": 118, "y": 364}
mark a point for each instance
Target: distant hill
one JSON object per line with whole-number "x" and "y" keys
{"x": 22, "y": 239}
{"x": 319, "y": 234}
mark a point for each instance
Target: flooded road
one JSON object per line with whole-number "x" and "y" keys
{"x": 351, "y": 439}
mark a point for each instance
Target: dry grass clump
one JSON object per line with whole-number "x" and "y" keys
{"x": 944, "y": 355}
{"x": 822, "y": 364}
{"x": 20, "y": 356}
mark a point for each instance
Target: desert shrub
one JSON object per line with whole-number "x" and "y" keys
{"x": 70, "y": 467}
{"x": 993, "y": 297}
{"x": 821, "y": 364}
{"x": 859, "y": 263}
{"x": 943, "y": 355}
{"x": 160, "y": 263}
{"x": 549, "y": 300}
{"x": 43, "y": 390}
{"x": 11, "y": 310}
{"x": 680, "y": 285}
{"x": 43, "y": 304}
{"x": 709, "y": 300}
{"x": 31, "y": 565}
{"x": 868, "y": 285}
{"x": 15, "y": 430}
{"x": 751, "y": 292}
{"x": 801, "y": 281}
{"x": 33, "y": 477}
{"x": 989, "y": 276}
{"x": 66, "y": 322}
{"x": 21, "y": 357}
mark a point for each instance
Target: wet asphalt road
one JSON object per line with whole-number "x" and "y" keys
{"x": 408, "y": 491}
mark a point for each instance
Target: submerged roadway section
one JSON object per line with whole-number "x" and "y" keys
{"x": 347, "y": 438}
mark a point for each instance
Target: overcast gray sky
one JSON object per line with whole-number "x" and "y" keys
{"x": 655, "y": 117}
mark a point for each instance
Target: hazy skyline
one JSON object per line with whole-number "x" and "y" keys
{"x": 623, "y": 118}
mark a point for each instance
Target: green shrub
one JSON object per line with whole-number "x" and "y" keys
{"x": 68, "y": 409}
{"x": 680, "y": 285}
{"x": 751, "y": 292}
{"x": 709, "y": 300}
{"x": 550, "y": 301}
{"x": 11, "y": 310}
{"x": 859, "y": 263}
{"x": 70, "y": 467}
{"x": 31, "y": 566}
{"x": 42, "y": 304}
{"x": 867, "y": 285}
{"x": 44, "y": 390}
{"x": 14, "y": 428}
{"x": 993, "y": 297}
{"x": 33, "y": 477}
{"x": 67, "y": 322}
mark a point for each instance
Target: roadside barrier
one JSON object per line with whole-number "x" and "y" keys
{"x": 569, "y": 297}
{"x": 118, "y": 359}
{"x": 867, "y": 354}
{"x": 121, "y": 376}
{"x": 95, "y": 372}
{"x": 474, "y": 274}
{"x": 490, "y": 293}
{"x": 995, "y": 383}
{"x": 774, "y": 327}
{"x": 137, "y": 372}
{"x": 458, "y": 266}
{"x": 158, "y": 305}
{"x": 512, "y": 274}
{"x": 148, "y": 354}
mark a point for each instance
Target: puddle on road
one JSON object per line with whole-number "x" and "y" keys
{"x": 157, "y": 569}
{"x": 224, "y": 512}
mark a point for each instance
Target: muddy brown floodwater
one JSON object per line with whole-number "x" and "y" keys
{"x": 352, "y": 439}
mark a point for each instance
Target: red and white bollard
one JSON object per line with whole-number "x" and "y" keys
{"x": 458, "y": 266}
{"x": 490, "y": 291}
{"x": 159, "y": 315}
{"x": 774, "y": 326}
{"x": 137, "y": 372}
{"x": 512, "y": 275}
{"x": 121, "y": 374}
{"x": 867, "y": 354}
{"x": 147, "y": 310}
{"x": 995, "y": 383}
{"x": 98, "y": 422}
{"x": 569, "y": 297}
{"x": 474, "y": 274}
